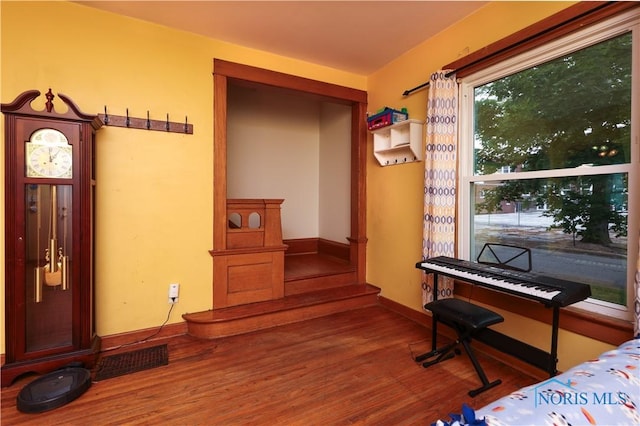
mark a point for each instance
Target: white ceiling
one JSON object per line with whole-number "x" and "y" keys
{"x": 355, "y": 36}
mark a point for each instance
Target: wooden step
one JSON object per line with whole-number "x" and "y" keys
{"x": 318, "y": 282}
{"x": 298, "y": 307}
{"x": 308, "y": 272}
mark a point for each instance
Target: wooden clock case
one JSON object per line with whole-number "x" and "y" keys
{"x": 50, "y": 325}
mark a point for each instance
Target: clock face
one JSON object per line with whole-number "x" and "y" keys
{"x": 48, "y": 155}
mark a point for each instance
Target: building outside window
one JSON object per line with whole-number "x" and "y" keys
{"x": 549, "y": 159}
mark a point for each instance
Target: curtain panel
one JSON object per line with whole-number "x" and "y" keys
{"x": 440, "y": 173}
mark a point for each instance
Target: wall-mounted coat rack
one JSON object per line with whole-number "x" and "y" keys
{"x": 146, "y": 123}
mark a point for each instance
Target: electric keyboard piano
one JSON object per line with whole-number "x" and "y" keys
{"x": 551, "y": 292}
{"x": 547, "y": 290}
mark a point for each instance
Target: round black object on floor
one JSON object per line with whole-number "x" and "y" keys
{"x": 54, "y": 390}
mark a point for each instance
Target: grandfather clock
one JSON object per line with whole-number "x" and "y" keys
{"x": 49, "y": 198}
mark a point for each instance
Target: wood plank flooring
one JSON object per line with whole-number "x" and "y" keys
{"x": 353, "y": 367}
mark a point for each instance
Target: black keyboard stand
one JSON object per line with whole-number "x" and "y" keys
{"x": 537, "y": 357}
{"x": 467, "y": 320}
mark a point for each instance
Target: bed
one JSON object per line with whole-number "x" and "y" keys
{"x": 602, "y": 391}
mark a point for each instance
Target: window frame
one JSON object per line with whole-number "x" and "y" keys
{"x": 593, "y": 34}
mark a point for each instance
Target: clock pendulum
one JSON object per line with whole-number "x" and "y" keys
{"x": 55, "y": 272}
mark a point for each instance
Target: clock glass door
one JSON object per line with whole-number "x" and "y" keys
{"x": 48, "y": 284}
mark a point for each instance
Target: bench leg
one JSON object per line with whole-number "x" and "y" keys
{"x": 436, "y": 352}
{"x": 486, "y": 385}
{"x": 434, "y": 339}
{"x": 443, "y": 357}
{"x": 444, "y": 353}
{"x": 426, "y": 355}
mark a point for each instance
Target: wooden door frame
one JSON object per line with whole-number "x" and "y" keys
{"x": 225, "y": 72}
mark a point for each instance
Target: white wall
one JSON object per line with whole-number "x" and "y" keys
{"x": 281, "y": 145}
{"x": 335, "y": 172}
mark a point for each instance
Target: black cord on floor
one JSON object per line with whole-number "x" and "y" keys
{"x": 146, "y": 338}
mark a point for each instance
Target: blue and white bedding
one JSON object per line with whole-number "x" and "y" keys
{"x": 603, "y": 391}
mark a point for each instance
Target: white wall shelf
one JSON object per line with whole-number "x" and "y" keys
{"x": 398, "y": 143}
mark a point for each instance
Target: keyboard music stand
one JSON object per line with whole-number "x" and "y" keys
{"x": 505, "y": 256}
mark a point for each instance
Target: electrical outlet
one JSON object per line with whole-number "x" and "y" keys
{"x": 174, "y": 291}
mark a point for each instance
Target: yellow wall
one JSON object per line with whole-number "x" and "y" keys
{"x": 154, "y": 191}
{"x": 395, "y": 194}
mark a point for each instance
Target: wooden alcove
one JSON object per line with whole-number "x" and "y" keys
{"x": 226, "y": 74}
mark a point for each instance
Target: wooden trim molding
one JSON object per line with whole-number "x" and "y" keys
{"x": 246, "y": 74}
{"x": 114, "y": 341}
{"x": 358, "y": 238}
{"x": 220, "y": 218}
{"x": 557, "y": 25}
{"x": 301, "y": 246}
{"x": 420, "y": 317}
{"x": 333, "y": 248}
{"x": 318, "y": 246}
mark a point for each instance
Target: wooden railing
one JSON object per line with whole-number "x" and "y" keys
{"x": 253, "y": 223}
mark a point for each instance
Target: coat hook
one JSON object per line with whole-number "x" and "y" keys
{"x": 148, "y": 121}
{"x": 128, "y": 122}
{"x": 167, "y": 125}
{"x": 185, "y": 124}
{"x": 106, "y": 116}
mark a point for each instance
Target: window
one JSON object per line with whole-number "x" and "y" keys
{"x": 548, "y": 163}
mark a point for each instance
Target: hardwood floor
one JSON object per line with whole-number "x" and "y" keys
{"x": 352, "y": 367}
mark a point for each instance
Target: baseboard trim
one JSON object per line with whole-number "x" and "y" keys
{"x": 334, "y": 248}
{"x": 318, "y": 245}
{"x": 422, "y": 318}
{"x": 301, "y": 246}
{"x": 145, "y": 335}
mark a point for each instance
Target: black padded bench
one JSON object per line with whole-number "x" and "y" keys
{"x": 466, "y": 319}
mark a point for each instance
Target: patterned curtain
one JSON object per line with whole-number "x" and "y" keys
{"x": 440, "y": 162}
{"x": 636, "y": 302}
